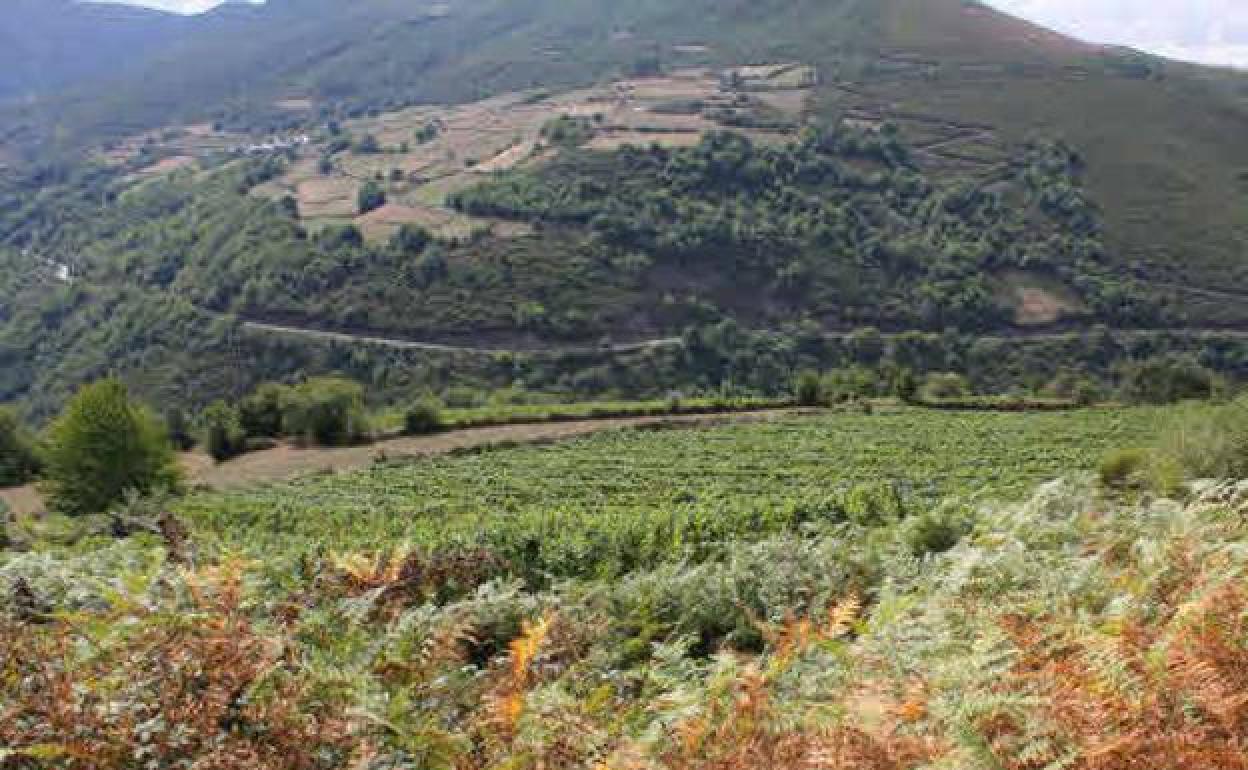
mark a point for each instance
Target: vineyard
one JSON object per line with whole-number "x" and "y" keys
{"x": 765, "y": 597}
{"x": 609, "y": 503}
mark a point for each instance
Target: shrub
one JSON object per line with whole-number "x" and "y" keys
{"x": 371, "y": 197}
{"x": 224, "y": 436}
{"x": 423, "y": 417}
{"x": 945, "y": 385}
{"x": 261, "y": 412}
{"x": 808, "y": 389}
{"x": 19, "y": 462}
{"x": 1208, "y": 442}
{"x": 1166, "y": 380}
{"x": 102, "y": 447}
{"x": 936, "y": 531}
{"x": 856, "y": 382}
{"x": 179, "y": 428}
{"x": 461, "y": 397}
{"x": 326, "y": 412}
{"x": 1125, "y": 468}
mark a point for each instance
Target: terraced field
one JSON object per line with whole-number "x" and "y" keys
{"x": 569, "y": 507}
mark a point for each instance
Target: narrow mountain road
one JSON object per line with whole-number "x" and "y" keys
{"x": 434, "y": 347}
{"x": 665, "y": 342}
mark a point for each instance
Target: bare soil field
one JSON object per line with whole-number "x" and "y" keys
{"x": 22, "y": 501}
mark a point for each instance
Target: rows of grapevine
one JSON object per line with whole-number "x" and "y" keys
{"x": 610, "y": 503}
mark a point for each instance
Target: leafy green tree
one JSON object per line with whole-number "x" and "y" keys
{"x": 1166, "y": 379}
{"x": 260, "y": 413}
{"x": 326, "y": 411}
{"x": 411, "y": 239}
{"x": 945, "y": 385}
{"x": 104, "y": 446}
{"x": 19, "y": 462}
{"x": 423, "y": 417}
{"x": 371, "y": 197}
{"x": 808, "y": 389}
{"x": 179, "y": 429}
{"x": 224, "y": 436}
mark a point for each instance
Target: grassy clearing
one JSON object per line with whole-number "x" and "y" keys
{"x": 611, "y": 502}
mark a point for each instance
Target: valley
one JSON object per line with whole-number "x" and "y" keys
{"x": 577, "y": 384}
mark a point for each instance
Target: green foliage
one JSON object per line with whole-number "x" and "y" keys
{"x": 804, "y": 221}
{"x": 181, "y": 432}
{"x": 371, "y": 196}
{"x": 568, "y": 131}
{"x": 102, "y": 447}
{"x": 428, "y": 132}
{"x": 368, "y": 145}
{"x": 1124, "y": 468}
{"x": 945, "y": 385}
{"x": 1166, "y": 379}
{"x": 260, "y": 413}
{"x": 1208, "y": 442}
{"x": 326, "y": 412}
{"x": 616, "y": 501}
{"x": 808, "y": 390}
{"x": 223, "y": 434}
{"x": 423, "y": 417}
{"x": 19, "y": 460}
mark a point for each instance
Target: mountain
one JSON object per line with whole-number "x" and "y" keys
{"x": 50, "y": 45}
{"x": 910, "y": 165}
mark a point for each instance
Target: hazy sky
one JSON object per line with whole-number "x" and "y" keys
{"x": 1213, "y": 31}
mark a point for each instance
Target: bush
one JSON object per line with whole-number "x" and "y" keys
{"x": 1166, "y": 380}
{"x": 179, "y": 429}
{"x": 936, "y": 531}
{"x": 808, "y": 389}
{"x": 224, "y": 436}
{"x": 1125, "y": 468}
{"x": 1208, "y": 442}
{"x": 461, "y": 397}
{"x": 944, "y": 386}
{"x": 857, "y": 382}
{"x": 102, "y": 447}
{"x": 326, "y": 412}
{"x": 261, "y": 412}
{"x": 422, "y": 418}
{"x": 371, "y": 197}
{"x": 19, "y": 462}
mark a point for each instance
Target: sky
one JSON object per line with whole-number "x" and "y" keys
{"x": 1209, "y": 31}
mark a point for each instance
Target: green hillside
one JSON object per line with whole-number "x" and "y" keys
{"x": 942, "y": 169}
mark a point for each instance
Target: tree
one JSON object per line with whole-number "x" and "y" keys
{"x": 411, "y": 239}
{"x": 224, "y": 436}
{"x": 18, "y": 460}
{"x": 104, "y": 446}
{"x": 808, "y": 389}
{"x": 371, "y": 197}
{"x": 260, "y": 413}
{"x": 423, "y": 418}
{"x": 326, "y": 412}
{"x": 178, "y": 428}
